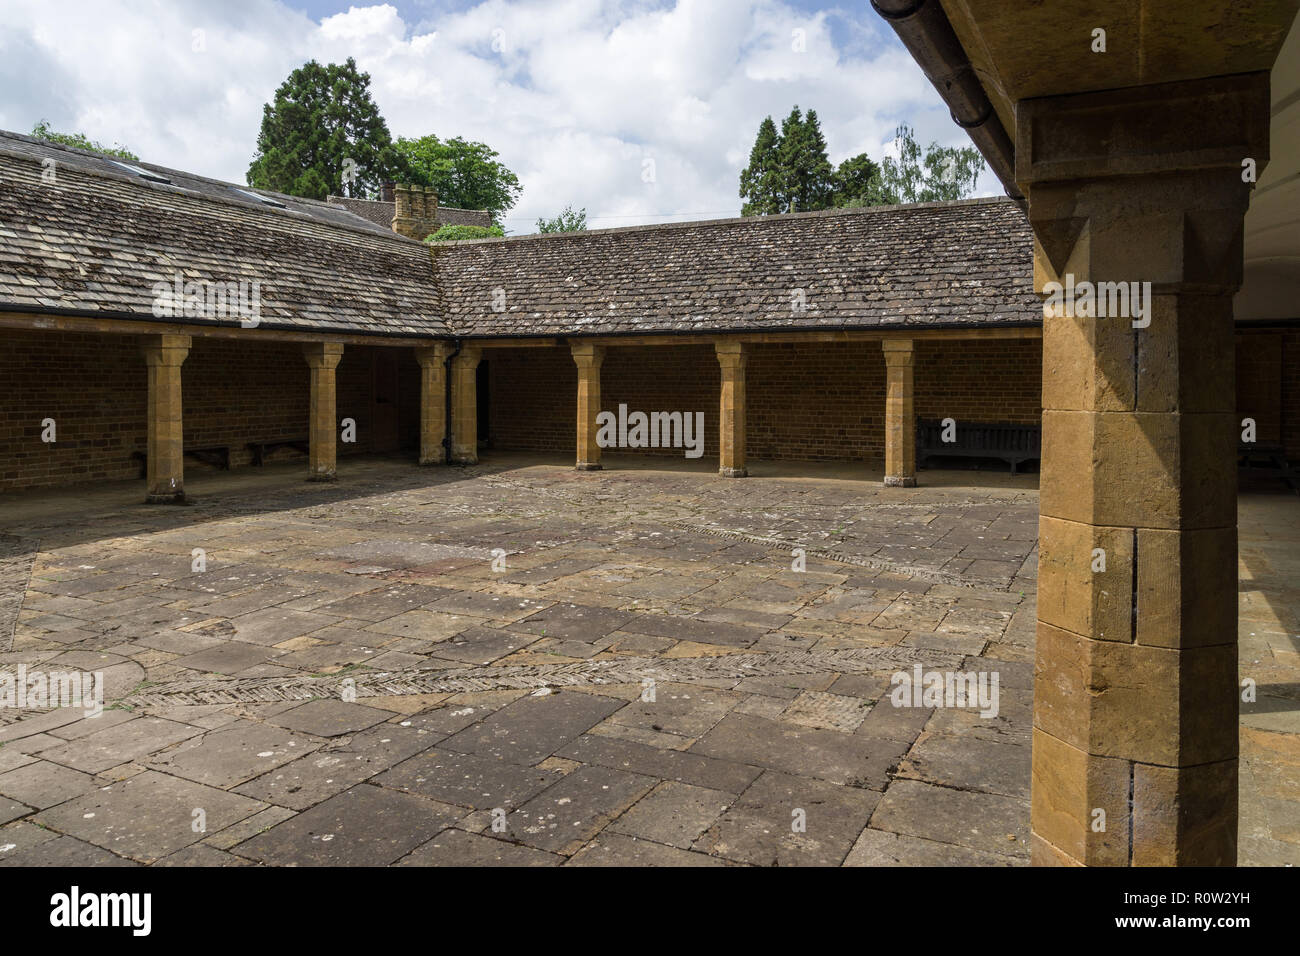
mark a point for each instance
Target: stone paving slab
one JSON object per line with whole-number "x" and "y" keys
{"x": 363, "y": 826}
{"x": 522, "y": 691}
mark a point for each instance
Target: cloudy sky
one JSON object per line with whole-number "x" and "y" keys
{"x": 576, "y": 95}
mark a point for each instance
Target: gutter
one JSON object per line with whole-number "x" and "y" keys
{"x": 925, "y": 31}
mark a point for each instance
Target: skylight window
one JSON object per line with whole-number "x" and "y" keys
{"x": 265, "y": 200}
{"x": 142, "y": 173}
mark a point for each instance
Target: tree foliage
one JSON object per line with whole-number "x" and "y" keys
{"x": 323, "y": 135}
{"x": 42, "y": 131}
{"x": 942, "y": 173}
{"x": 465, "y": 174}
{"x": 566, "y": 221}
{"x": 789, "y": 171}
{"x": 450, "y": 233}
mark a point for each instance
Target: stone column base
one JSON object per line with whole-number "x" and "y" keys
{"x": 589, "y": 466}
{"x": 323, "y": 478}
{"x": 734, "y": 472}
{"x": 172, "y": 499}
{"x": 900, "y": 481}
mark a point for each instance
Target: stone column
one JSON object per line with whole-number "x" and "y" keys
{"x": 433, "y": 402}
{"x": 732, "y": 356}
{"x": 165, "y": 467}
{"x": 464, "y": 407}
{"x": 323, "y": 428}
{"x": 1135, "y": 704}
{"x": 900, "y": 417}
{"x": 588, "y": 358}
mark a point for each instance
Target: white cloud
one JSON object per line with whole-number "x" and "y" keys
{"x": 574, "y": 94}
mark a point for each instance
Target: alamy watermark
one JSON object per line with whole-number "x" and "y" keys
{"x": 1100, "y": 300}
{"x": 655, "y": 430}
{"x": 38, "y": 690}
{"x": 201, "y": 299}
{"x": 977, "y": 690}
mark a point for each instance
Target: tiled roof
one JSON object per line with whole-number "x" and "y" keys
{"x": 381, "y": 212}
{"x": 98, "y": 238}
{"x": 931, "y": 265}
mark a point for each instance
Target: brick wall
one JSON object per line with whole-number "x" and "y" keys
{"x": 235, "y": 391}
{"x": 993, "y": 380}
{"x": 813, "y": 402}
{"x": 809, "y": 402}
{"x": 93, "y": 386}
{"x": 533, "y": 398}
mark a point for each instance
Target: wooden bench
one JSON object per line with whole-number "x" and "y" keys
{"x": 216, "y": 455}
{"x": 260, "y": 449}
{"x": 1274, "y": 455}
{"x": 1013, "y": 444}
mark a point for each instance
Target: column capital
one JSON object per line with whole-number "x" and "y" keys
{"x": 323, "y": 354}
{"x": 166, "y": 349}
{"x": 587, "y": 354}
{"x": 1143, "y": 184}
{"x": 898, "y": 352}
{"x": 468, "y": 355}
{"x": 732, "y": 353}
{"x": 435, "y": 354}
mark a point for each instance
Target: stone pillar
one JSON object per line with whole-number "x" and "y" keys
{"x": 433, "y": 402}
{"x": 900, "y": 417}
{"x": 1135, "y": 702}
{"x": 165, "y": 467}
{"x": 323, "y": 429}
{"x": 588, "y": 358}
{"x": 464, "y": 407}
{"x": 732, "y": 356}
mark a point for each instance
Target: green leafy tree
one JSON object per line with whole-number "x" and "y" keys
{"x": 807, "y": 173}
{"x": 942, "y": 173}
{"x": 323, "y": 134}
{"x": 760, "y": 182}
{"x": 42, "y": 131}
{"x": 450, "y": 233}
{"x": 566, "y": 221}
{"x": 857, "y": 182}
{"x": 788, "y": 171}
{"x": 466, "y": 174}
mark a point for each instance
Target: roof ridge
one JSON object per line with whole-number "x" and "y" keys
{"x": 744, "y": 220}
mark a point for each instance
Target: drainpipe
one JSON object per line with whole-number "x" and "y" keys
{"x": 925, "y": 31}
{"x": 446, "y": 438}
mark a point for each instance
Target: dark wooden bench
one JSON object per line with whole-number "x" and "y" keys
{"x": 216, "y": 455}
{"x": 260, "y": 449}
{"x": 1274, "y": 455}
{"x": 1013, "y": 444}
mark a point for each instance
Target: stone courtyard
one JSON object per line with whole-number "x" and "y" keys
{"x": 549, "y": 667}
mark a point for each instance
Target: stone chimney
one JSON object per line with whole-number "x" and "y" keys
{"x": 386, "y": 191}
{"x": 415, "y": 212}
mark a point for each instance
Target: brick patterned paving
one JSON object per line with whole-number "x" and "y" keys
{"x": 502, "y": 716}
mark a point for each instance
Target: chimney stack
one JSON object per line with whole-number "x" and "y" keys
{"x": 415, "y": 211}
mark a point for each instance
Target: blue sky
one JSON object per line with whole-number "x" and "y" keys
{"x": 580, "y": 97}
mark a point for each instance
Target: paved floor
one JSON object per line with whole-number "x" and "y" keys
{"x": 520, "y": 664}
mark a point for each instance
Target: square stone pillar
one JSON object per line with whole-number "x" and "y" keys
{"x": 732, "y": 357}
{"x": 323, "y": 427}
{"x": 464, "y": 406}
{"x": 433, "y": 402}
{"x": 1136, "y": 697}
{"x": 900, "y": 416}
{"x": 588, "y": 358}
{"x": 165, "y": 467}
